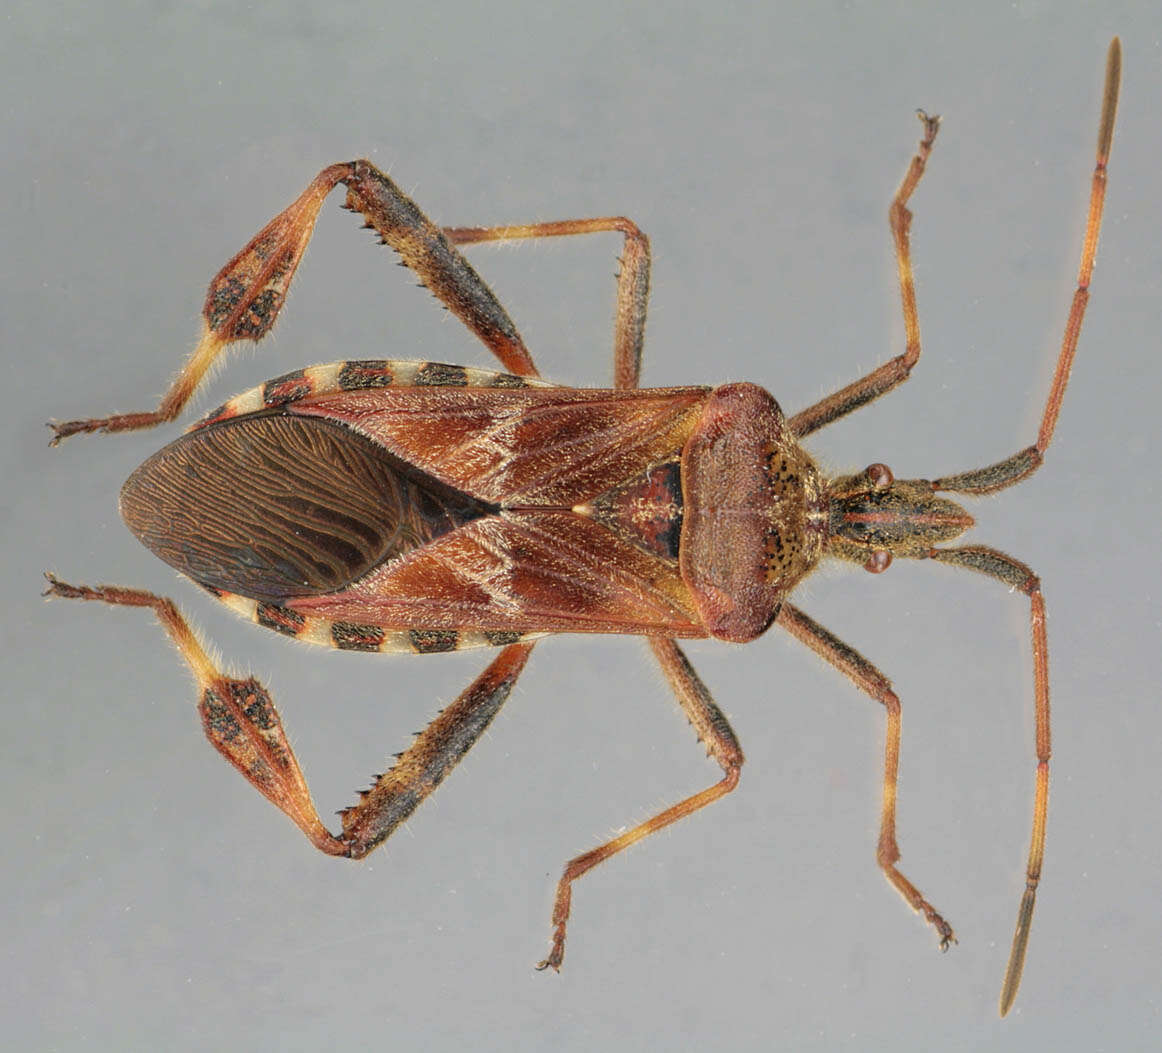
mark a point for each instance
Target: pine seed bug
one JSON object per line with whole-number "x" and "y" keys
{"x": 386, "y": 505}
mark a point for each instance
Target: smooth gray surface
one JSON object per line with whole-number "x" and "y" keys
{"x": 151, "y": 900}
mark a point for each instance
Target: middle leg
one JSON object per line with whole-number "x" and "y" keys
{"x": 633, "y": 280}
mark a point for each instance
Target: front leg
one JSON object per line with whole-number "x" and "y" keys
{"x": 872, "y": 682}
{"x": 246, "y": 295}
{"x": 240, "y": 720}
{"x": 713, "y": 731}
{"x": 893, "y": 373}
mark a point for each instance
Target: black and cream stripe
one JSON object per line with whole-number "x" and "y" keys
{"x": 353, "y": 636}
{"x": 358, "y": 375}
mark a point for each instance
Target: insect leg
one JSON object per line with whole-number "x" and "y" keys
{"x": 238, "y": 716}
{"x": 1016, "y": 575}
{"x": 242, "y": 723}
{"x": 633, "y": 280}
{"x": 870, "y": 680}
{"x": 436, "y": 751}
{"x": 245, "y": 297}
{"x": 430, "y": 253}
{"x": 242, "y": 303}
{"x": 713, "y": 730}
{"x": 880, "y": 381}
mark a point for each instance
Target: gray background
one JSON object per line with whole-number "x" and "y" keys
{"x": 150, "y": 898}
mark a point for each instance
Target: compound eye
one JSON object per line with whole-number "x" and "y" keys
{"x": 879, "y": 475}
{"x": 879, "y": 560}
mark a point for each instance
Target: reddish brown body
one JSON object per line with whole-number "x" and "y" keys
{"x": 424, "y": 507}
{"x": 496, "y": 510}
